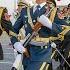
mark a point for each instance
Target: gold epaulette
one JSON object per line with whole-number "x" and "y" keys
{"x": 40, "y": 39}
{"x": 12, "y": 34}
{"x": 21, "y": 34}
{"x": 51, "y": 38}
{"x": 65, "y": 30}
{"x": 52, "y": 14}
{"x": 45, "y": 40}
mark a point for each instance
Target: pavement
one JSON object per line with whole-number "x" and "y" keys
{"x": 8, "y": 52}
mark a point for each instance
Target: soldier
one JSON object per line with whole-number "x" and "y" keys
{"x": 38, "y": 54}
{"x": 5, "y": 24}
{"x": 20, "y": 6}
{"x": 21, "y": 33}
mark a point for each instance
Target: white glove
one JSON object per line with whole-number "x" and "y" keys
{"x": 45, "y": 21}
{"x": 19, "y": 47}
{"x": 53, "y": 45}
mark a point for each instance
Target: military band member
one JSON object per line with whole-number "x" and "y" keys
{"x": 6, "y": 24}
{"x": 21, "y": 32}
{"x": 38, "y": 53}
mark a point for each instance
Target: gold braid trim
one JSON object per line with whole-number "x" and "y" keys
{"x": 12, "y": 34}
{"x": 52, "y": 14}
{"x": 65, "y": 30}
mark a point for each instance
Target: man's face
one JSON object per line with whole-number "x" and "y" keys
{"x": 7, "y": 16}
{"x": 40, "y": 1}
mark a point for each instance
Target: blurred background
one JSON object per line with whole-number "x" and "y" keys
{"x": 12, "y": 4}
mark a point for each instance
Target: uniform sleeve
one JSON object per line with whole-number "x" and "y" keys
{"x": 55, "y": 28}
{"x": 17, "y": 45}
{"x": 19, "y": 23}
{"x": 17, "y": 26}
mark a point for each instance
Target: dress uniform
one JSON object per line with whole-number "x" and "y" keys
{"x": 38, "y": 54}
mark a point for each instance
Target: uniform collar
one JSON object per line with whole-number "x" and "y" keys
{"x": 41, "y": 5}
